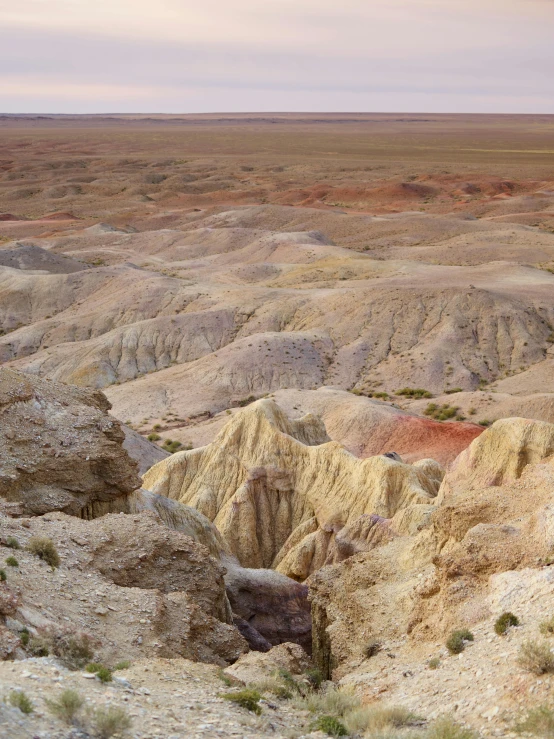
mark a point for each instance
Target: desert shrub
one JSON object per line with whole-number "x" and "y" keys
{"x": 171, "y": 446}
{"x": 433, "y": 663}
{"x": 454, "y": 390}
{"x": 223, "y": 677}
{"x": 3, "y": 576}
{"x": 74, "y": 649}
{"x": 24, "y": 636}
{"x": 547, "y": 627}
{"x": 539, "y": 721}
{"x": 12, "y": 562}
{"x": 93, "y": 667}
{"x": 536, "y": 657}
{"x": 456, "y": 642}
{"x": 330, "y": 725}
{"x": 107, "y": 722}
{"x": 314, "y": 678}
{"x": 414, "y": 392}
{"x": 443, "y": 412}
{"x": 21, "y": 700}
{"x": 67, "y": 706}
{"x": 447, "y": 728}
{"x": 104, "y": 674}
{"x": 153, "y": 437}
{"x": 38, "y": 647}
{"x": 273, "y": 685}
{"x": 247, "y": 698}
{"x": 45, "y": 549}
{"x": 123, "y": 665}
{"x": 246, "y": 401}
{"x": 485, "y": 422}
{"x": 372, "y": 648}
{"x": 504, "y": 622}
{"x": 378, "y": 718}
{"x": 12, "y": 542}
{"x": 335, "y": 702}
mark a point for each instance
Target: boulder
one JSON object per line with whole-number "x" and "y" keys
{"x": 255, "y": 667}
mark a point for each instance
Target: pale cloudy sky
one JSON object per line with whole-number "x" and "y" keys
{"x": 181, "y": 56}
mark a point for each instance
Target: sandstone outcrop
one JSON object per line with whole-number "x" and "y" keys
{"x": 279, "y": 493}
{"x": 137, "y": 587}
{"x": 59, "y": 449}
{"x": 254, "y": 667}
{"x": 427, "y": 579}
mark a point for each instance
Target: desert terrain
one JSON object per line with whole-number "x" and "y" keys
{"x": 278, "y": 382}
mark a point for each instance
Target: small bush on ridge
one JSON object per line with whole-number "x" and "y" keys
{"x": 504, "y": 622}
{"x": 21, "y": 700}
{"x": 330, "y": 725}
{"x": 106, "y": 722}
{"x": 45, "y": 549}
{"x": 536, "y": 657}
{"x": 67, "y": 706}
{"x": 456, "y": 642}
{"x": 246, "y": 698}
{"x": 12, "y": 562}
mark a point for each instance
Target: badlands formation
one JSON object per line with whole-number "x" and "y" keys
{"x": 281, "y": 423}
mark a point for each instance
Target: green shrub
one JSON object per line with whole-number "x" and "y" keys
{"x": 21, "y": 700}
{"x": 433, "y": 663}
{"x": 536, "y": 657}
{"x": 456, "y": 642}
{"x": 67, "y": 706}
{"x": 314, "y": 677}
{"x": 12, "y": 562}
{"x": 24, "y": 636}
{"x": 246, "y": 401}
{"x": 153, "y": 437}
{"x": 454, "y": 390}
{"x": 12, "y": 542}
{"x": 44, "y": 548}
{"x": 447, "y": 728}
{"x": 247, "y": 698}
{"x": 539, "y": 721}
{"x": 93, "y": 667}
{"x": 104, "y": 674}
{"x": 330, "y": 725}
{"x": 3, "y": 576}
{"x": 335, "y": 702}
{"x": 123, "y": 665}
{"x": 443, "y": 412}
{"x": 171, "y": 446}
{"x": 373, "y": 719}
{"x": 107, "y": 722}
{"x": 414, "y": 392}
{"x": 504, "y": 622}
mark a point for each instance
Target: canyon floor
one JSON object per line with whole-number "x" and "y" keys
{"x": 313, "y": 330}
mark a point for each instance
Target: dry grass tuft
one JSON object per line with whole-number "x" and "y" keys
{"x": 536, "y": 657}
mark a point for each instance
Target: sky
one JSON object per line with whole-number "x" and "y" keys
{"x": 185, "y": 56}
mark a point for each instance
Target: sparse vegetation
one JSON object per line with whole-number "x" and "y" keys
{"x": 247, "y": 698}
{"x": 45, "y": 549}
{"x": 171, "y": 446}
{"x": 373, "y": 719}
{"x": 24, "y": 636}
{"x": 485, "y": 422}
{"x": 547, "y": 626}
{"x": 245, "y": 401}
{"x": 330, "y": 725}
{"x": 19, "y": 699}
{"x": 153, "y": 437}
{"x": 504, "y": 622}
{"x": 38, "y": 647}
{"x": 12, "y": 542}
{"x": 110, "y": 721}
{"x": 454, "y": 390}
{"x": 333, "y": 702}
{"x": 12, "y": 561}
{"x": 73, "y": 649}
{"x": 414, "y": 392}
{"x": 538, "y": 721}
{"x": 456, "y": 642}
{"x": 536, "y": 657}
{"x": 447, "y": 728}
{"x": 443, "y": 412}
{"x": 3, "y": 576}
{"x": 67, "y": 706}
{"x": 123, "y": 665}
{"x": 314, "y": 678}
{"x": 434, "y": 663}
